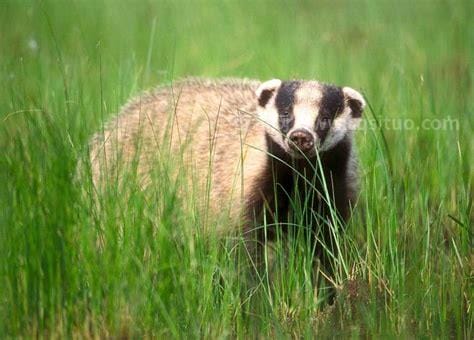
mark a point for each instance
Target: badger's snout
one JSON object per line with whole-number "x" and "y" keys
{"x": 301, "y": 140}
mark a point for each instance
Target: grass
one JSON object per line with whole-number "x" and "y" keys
{"x": 133, "y": 268}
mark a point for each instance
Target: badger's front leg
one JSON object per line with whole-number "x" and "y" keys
{"x": 330, "y": 214}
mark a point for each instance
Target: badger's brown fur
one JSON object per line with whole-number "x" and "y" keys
{"x": 232, "y": 132}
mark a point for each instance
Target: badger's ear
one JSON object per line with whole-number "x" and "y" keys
{"x": 355, "y": 101}
{"x": 266, "y": 90}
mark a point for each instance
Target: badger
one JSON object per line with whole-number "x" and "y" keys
{"x": 251, "y": 146}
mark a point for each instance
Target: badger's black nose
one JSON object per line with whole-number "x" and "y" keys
{"x": 301, "y": 140}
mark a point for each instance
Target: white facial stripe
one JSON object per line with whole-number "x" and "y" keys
{"x": 304, "y": 118}
{"x": 305, "y": 109}
{"x": 270, "y": 119}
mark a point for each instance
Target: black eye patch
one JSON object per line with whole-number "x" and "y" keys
{"x": 332, "y": 104}
{"x": 284, "y": 102}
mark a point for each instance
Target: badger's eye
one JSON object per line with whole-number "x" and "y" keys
{"x": 285, "y": 113}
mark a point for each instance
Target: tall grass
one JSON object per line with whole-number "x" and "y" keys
{"x": 138, "y": 265}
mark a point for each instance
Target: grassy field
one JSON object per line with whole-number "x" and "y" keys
{"x": 133, "y": 268}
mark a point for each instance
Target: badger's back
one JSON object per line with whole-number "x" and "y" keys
{"x": 208, "y": 127}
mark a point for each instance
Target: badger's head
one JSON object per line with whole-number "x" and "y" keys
{"x": 305, "y": 117}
